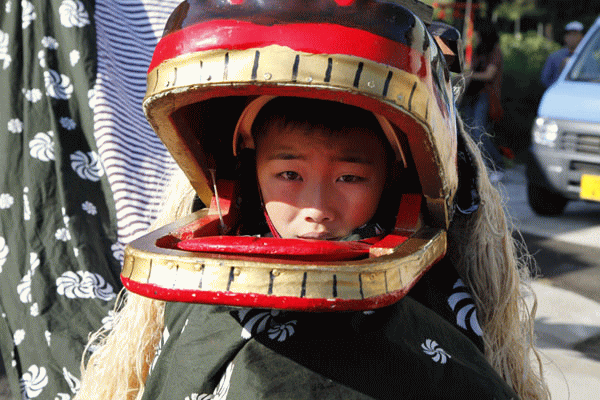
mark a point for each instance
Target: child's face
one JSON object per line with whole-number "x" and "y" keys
{"x": 320, "y": 187}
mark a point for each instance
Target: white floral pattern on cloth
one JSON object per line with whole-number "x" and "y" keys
{"x": 108, "y": 322}
{"x": 33, "y": 382}
{"x": 33, "y": 95}
{"x": 73, "y": 14}
{"x": 15, "y": 125}
{"x": 84, "y": 285}
{"x": 89, "y": 207}
{"x": 185, "y": 324}
{"x": 19, "y": 336}
{"x": 63, "y": 233}
{"x": 67, "y": 123}
{"x": 3, "y": 252}
{"x": 4, "y": 56}
{"x": 73, "y": 382}
{"x": 438, "y": 355}
{"x": 41, "y": 146}
{"x": 220, "y": 392}
{"x": 24, "y": 287}
{"x": 165, "y": 336}
{"x": 28, "y": 15}
{"x": 42, "y": 58}
{"x": 276, "y": 324}
{"x": 118, "y": 251}
{"x": 49, "y": 42}
{"x": 74, "y": 56}
{"x": 463, "y": 305}
{"x": 87, "y": 166}
{"x": 58, "y": 86}
{"x": 281, "y": 331}
{"x": 26, "y": 207}
{"x": 6, "y": 201}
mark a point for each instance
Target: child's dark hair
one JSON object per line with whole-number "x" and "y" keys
{"x": 329, "y": 117}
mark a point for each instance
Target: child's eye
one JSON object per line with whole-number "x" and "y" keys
{"x": 290, "y": 176}
{"x": 351, "y": 179}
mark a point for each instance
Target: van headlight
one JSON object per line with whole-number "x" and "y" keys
{"x": 545, "y": 132}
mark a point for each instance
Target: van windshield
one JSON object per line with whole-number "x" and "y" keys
{"x": 587, "y": 66}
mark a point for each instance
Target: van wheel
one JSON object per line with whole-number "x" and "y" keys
{"x": 544, "y": 202}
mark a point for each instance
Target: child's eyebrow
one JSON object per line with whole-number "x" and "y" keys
{"x": 285, "y": 155}
{"x": 356, "y": 159}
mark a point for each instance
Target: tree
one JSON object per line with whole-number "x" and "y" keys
{"x": 514, "y": 11}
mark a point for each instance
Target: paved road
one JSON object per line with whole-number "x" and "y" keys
{"x": 570, "y": 266}
{"x": 567, "y": 251}
{"x": 567, "y": 247}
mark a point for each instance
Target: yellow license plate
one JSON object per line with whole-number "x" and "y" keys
{"x": 590, "y": 187}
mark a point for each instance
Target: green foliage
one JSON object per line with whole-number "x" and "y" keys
{"x": 515, "y": 9}
{"x": 531, "y": 48}
{"x": 522, "y": 90}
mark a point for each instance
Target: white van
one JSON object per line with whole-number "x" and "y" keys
{"x": 564, "y": 163}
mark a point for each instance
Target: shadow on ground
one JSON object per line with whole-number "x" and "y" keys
{"x": 590, "y": 347}
{"x": 567, "y": 265}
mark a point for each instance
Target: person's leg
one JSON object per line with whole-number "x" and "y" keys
{"x": 478, "y": 131}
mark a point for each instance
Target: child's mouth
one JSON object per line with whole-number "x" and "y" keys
{"x": 317, "y": 236}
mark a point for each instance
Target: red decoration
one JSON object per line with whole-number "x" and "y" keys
{"x": 318, "y": 38}
{"x": 344, "y": 2}
{"x": 303, "y": 249}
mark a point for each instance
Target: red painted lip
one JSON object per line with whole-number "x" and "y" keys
{"x": 315, "y": 38}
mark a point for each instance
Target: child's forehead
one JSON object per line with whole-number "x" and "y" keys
{"x": 347, "y": 145}
{"x": 320, "y": 134}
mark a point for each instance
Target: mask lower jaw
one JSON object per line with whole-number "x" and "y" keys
{"x": 342, "y": 276}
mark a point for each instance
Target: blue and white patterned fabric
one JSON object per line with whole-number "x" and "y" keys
{"x": 81, "y": 172}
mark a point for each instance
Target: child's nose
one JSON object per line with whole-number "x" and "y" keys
{"x": 319, "y": 209}
{"x": 318, "y": 216}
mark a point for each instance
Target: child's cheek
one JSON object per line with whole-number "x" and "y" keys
{"x": 282, "y": 216}
{"x": 283, "y": 190}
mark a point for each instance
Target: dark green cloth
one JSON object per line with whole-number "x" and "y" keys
{"x": 58, "y": 268}
{"x": 414, "y": 349}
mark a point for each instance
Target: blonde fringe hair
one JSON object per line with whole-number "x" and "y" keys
{"x": 494, "y": 265}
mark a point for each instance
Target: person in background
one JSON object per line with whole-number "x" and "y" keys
{"x": 557, "y": 60}
{"x": 481, "y": 103}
